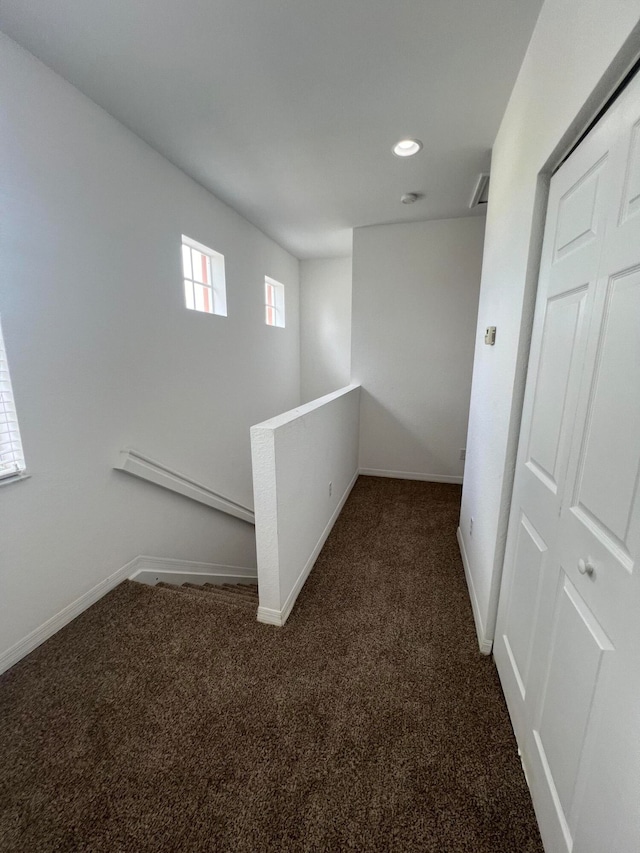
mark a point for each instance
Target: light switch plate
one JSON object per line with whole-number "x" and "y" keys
{"x": 490, "y": 336}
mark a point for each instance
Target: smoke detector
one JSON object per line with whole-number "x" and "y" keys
{"x": 409, "y": 198}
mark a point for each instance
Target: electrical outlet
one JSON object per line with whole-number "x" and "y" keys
{"x": 463, "y": 454}
{"x": 330, "y": 489}
{"x": 471, "y": 526}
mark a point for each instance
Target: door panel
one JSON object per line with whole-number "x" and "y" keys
{"x": 631, "y": 194}
{"x": 609, "y": 793}
{"x": 561, "y": 329}
{"x": 530, "y": 555}
{"x": 610, "y": 457}
{"x": 577, "y": 219}
{"x": 574, "y": 658}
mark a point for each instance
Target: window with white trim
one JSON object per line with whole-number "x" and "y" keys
{"x": 11, "y": 455}
{"x": 204, "y": 282}
{"x": 273, "y": 302}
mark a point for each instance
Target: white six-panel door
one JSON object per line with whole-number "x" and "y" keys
{"x": 568, "y": 634}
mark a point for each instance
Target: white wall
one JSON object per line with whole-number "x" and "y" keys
{"x": 295, "y": 457}
{"x": 325, "y": 326}
{"x": 104, "y": 355}
{"x": 415, "y": 295}
{"x": 561, "y": 84}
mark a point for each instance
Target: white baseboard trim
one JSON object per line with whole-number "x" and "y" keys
{"x": 38, "y": 636}
{"x": 270, "y": 617}
{"x": 409, "y": 475}
{"x": 279, "y": 617}
{"x": 484, "y": 644}
{"x": 153, "y": 570}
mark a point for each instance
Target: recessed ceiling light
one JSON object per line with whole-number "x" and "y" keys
{"x": 407, "y": 147}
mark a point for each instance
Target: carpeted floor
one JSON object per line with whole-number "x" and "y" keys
{"x": 159, "y": 721}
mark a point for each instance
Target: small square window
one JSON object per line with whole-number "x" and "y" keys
{"x": 204, "y": 282}
{"x": 274, "y": 302}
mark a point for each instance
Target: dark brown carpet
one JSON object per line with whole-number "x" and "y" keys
{"x": 165, "y": 721}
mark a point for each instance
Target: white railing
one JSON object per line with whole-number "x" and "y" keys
{"x": 305, "y": 463}
{"x": 148, "y": 469}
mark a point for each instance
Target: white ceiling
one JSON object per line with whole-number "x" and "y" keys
{"x": 288, "y": 109}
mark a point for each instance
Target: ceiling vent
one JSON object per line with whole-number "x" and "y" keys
{"x": 480, "y": 195}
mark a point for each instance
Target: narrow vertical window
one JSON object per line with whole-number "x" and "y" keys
{"x": 274, "y": 302}
{"x": 204, "y": 281}
{"x": 11, "y": 455}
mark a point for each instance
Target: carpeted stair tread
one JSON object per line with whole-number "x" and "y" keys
{"x": 221, "y": 594}
{"x": 199, "y": 593}
{"x": 239, "y": 589}
{"x": 215, "y": 589}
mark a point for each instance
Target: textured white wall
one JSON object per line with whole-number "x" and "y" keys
{"x": 105, "y": 356}
{"x": 295, "y": 457}
{"x": 325, "y": 326}
{"x": 560, "y": 83}
{"x": 415, "y": 296}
